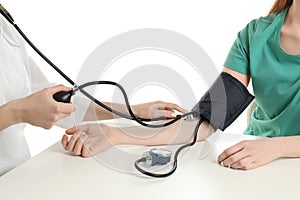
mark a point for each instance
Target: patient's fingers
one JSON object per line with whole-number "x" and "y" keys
{"x": 73, "y": 141}
{"x": 81, "y": 128}
{"x": 77, "y": 151}
{"x": 86, "y": 152}
{"x": 64, "y": 141}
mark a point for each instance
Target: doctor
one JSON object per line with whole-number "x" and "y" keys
{"x": 26, "y": 98}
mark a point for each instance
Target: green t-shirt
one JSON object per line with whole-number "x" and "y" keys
{"x": 275, "y": 76}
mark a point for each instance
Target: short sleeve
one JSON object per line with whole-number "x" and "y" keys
{"x": 238, "y": 57}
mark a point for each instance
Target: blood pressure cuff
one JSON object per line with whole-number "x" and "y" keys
{"x": 225, "y": 100}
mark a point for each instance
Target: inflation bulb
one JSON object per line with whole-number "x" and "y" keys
{"x": 63, "y": 96}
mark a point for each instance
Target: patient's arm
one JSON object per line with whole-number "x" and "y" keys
{"x": 250, "y": 154}
{"x": 146, "y": 110}
{"x": 91, "y": 139}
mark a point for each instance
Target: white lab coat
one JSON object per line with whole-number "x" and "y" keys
{"x": 19, "y": 77}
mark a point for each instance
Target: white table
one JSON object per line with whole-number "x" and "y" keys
{"x": 55, "y": 175}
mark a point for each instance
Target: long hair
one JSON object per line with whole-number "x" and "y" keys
{"x": 279, "y": 5}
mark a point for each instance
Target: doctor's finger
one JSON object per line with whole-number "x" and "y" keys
{"x": 59, "y": 88}
{"x": 66, "y": 108}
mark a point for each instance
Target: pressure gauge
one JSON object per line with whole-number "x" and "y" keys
{"x": 157, "y": 157}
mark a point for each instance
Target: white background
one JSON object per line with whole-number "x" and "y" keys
{"x": 67, "y": 31}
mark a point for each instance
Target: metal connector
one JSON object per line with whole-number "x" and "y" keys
{"x": 191, "y": 117}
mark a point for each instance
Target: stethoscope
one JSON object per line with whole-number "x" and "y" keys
{"x": 150, "y": 158}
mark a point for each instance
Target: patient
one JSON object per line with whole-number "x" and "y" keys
{"x": 265, "y": 51}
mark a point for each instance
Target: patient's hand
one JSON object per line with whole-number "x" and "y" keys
{"x": 87, "y": 140}
{"x": 249, "y": 154}
{"x": 156, "y": 109}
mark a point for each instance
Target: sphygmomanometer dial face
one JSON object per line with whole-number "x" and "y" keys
{"x": 162, "y": 152}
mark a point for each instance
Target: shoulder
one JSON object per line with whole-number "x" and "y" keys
{"x": 263, "y": 23}
{"x": 9, "y": 33}
{"x": 258, "y": 27}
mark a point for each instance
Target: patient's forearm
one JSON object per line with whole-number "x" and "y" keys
{"x": 177, "y": 133}
{"x": 95, "y": 112}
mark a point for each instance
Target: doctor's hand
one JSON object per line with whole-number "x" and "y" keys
{"x": 87, "y": 140}
{"x": 156, "y": 109}
{"x": 40, "y": 109}
{"x": 249, "y": 154}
